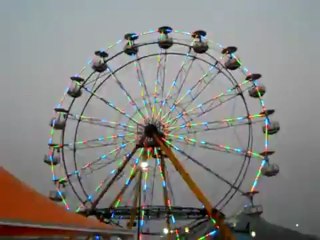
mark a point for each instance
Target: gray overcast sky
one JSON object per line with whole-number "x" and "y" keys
{"x": 44, "y": 42}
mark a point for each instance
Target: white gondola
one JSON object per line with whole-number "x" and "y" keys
{"x": 131, "y": 48}
{"x": 232, "y": 63}
{"x": 74, "y": 90}
{"x": 58, "y": 122}
{"x": 56, "y": 196}
{"x": 54, "y": 160}
{"x": 199, "y": 44}
{"x": 253, "y": 209}
{"x": 270, "y": 170}
{"x": 200, "y": 47}
{"x": 257, "y": 91}
{"x": 98, "y": 64}
{"x": 165, "y": 42}
{"x": 273, "y": 128}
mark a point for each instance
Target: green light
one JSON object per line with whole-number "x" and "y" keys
{"x": 117, "y": 203}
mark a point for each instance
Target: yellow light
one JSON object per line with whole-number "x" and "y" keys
{"x": 186, "y": 230}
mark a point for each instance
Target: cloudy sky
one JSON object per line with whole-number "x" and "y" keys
{"x": 42, "y": 43}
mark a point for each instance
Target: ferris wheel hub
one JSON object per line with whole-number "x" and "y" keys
{"x": 150, "y": 130}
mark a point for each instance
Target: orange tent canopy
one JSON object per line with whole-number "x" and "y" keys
{"x": 25, "y": 212}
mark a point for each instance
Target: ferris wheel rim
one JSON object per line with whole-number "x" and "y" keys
{"x": 249, "y": 77}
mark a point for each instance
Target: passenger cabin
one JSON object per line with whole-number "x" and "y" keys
{"x": 200, "y": 45}
{"x": 74, "y": 90}
{"x": 165, "y": 42}
{"x": 232, "y": 62}
{"x": 56, "y": 196}
{"x": 58, "y": 122}
{"x": 257, "y": 91}
{"x": 270, "y": 170}
{"x": 131, "y": 48}
{"x": 273, "y": 127}
{"x": 99, "y": 65}
{"x": 253, "y": 210}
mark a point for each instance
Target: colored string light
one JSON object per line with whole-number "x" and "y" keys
{"x": 210, "y": 101}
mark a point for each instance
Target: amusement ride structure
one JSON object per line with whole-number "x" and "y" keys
{"x": 159, "y": 132}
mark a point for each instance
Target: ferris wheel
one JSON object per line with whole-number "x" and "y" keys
{"x": 162, "y": 126}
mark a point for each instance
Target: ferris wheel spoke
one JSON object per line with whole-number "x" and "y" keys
{"x": 163, "y": 79}
{"x": 221, "y": 99}
{"x": 119, "y": 161}
{"x": 210, "y": 129}
{"x": 118, "y": 172}
{"x": 198, "y": 93}
{"x": 113, "y": 106}
{"x": 144, "y": 93}
{"x": 84, "y": 172}
{"x": 202, "y": 82}
{"x": 190, "y": 90}
{"x": 202, "y": 112}
{"x": 206, "y": 83}
{"x": 135, "y": 170}
{"x": 207, "y": 105}
{"x": 181, "y": 69}
{"x": 94, "y": 81}
{"x": 184, "y": 78}
{"x": 149, "y": 99}
{"x": 126, "y": 92}
{"x": 173, "y": 107}
{"x": 104, "y": 157}
{"x": 207, "y": 169}
{"x": 99, "y": 142}
{"x": 196, "y": 127}
{"x": 157, "y": 83}
{"x": 173, "y": 83}
{"x": 117, "y": 200}
{"x": 220, "y": 147}
{"x": 103, "y": 122}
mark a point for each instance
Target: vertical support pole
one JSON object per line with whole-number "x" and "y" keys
{"x": 165, "y": 195}
{"x": 139, "y": 205}
{"x": 133, "y": 211}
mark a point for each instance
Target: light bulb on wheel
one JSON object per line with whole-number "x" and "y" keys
{"x": 144, "y": 165}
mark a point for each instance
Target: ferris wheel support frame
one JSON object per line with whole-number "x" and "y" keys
{"x": 212, "y": 212}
